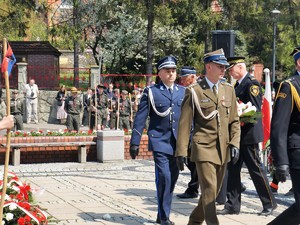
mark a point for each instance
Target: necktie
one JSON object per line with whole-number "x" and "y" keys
{"x": 215, "y": 90}
{"x": 236, "y": 84}
{"x": 74, "y": 102}
{"x": 171, "y": 91}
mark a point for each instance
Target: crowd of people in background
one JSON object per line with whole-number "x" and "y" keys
{"x": 197, "y": 125}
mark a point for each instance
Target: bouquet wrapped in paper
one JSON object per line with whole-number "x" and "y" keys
{"x": 248, "y": 113}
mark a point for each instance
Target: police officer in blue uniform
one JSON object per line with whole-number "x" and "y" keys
{"x": 285, "y": 140}
{"x": 162, "y": 102}
{"x": 248, "y": 89}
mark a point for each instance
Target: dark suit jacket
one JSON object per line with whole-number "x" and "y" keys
{"x": 285, "y": 126}
{"x": 249, "y": 90}
{"x": 160, "y": 128}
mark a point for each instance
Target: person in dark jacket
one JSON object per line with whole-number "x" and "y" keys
{"x": 285, "y": 140}
{"x": 248, "y": 89}
{"x": 61, "y": 114}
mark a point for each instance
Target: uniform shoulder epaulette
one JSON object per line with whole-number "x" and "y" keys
{"x": 226, "y": 83}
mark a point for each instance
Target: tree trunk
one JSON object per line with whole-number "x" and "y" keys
{"x": 76, "y": 46}
{"x": 150, "y": 17}
{"x": 76, "y": 64}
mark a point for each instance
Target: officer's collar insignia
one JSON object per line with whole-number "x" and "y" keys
{"x": 176, "y": 88}
{"x": 281, "y": 95}
{"x": 161, "y": 87}
{"x": 254, "y": 89}
{"x": 204, "y": 100}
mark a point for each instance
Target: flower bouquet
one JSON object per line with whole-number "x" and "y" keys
{"x": 18, "y": 208}
{"x": 248, "y": 113}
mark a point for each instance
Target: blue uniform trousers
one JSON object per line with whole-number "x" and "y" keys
{"x": 166, "y": 175}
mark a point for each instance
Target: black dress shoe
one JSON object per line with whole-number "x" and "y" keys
{"x": 186, "y": 195}
{"x": 164, "y": 222}
{"x": 243, "y": 187}
{"x": 227, "y": 212}
{"x": 267, "y": 212}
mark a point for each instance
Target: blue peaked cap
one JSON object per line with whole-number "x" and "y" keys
{"x": 187, "y": 70}
{"x": 167, "y": 62}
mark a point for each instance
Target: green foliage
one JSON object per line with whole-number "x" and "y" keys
{"x": 15, "y": 17}
{"x": 117, "y": 31}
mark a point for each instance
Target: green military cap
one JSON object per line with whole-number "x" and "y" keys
{"x": 217, "y": 57}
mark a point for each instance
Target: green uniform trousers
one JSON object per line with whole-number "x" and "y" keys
{"x": 73, "y": 122}
{"x": 210, "y": 178}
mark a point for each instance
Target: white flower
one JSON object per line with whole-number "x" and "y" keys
{"x": 12, "y": 207}
{"x": 7, "y": 198}
{"x": 3, "y": 222}
{"x": 9, "y": 216}
{"x": 15, "y": 188}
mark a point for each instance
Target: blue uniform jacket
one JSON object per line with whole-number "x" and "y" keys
{"x": 160, "y": 128}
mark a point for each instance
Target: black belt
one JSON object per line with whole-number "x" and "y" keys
{"x": 31, "y": 98}
{"x": 15, "y": 114}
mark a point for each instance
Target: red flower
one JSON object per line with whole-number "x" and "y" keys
{"x": 25, "y": 205}
{"x": 27, "y": 219}
{"x": 90, "y": 131}
{"x": 21, "y": 221}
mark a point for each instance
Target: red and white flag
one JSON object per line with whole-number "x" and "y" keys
{"x": 267, "y": 107}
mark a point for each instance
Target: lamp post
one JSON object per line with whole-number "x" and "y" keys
{"x": 275, "y": 14}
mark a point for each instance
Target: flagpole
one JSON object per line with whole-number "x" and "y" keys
{"x": 7, "y": 133}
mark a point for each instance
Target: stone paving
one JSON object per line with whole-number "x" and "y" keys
{"x": 123, "y": 193}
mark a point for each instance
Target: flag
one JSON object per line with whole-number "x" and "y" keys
{"x": 267, "y": 108}
{"x": 8, "y": 61}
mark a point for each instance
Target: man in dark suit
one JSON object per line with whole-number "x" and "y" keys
{"x": 162, "y": 103}
{"x": 188, "y": 77}
{"x": 212, "y": 109}
{"x": 248, "y": 89}
{"x": 285, "y": 140}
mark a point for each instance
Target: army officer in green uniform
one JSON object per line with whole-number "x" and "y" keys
{"x": 17, "y": 110}
{"x": 124, "y": 112}
{"x": 210, "y": 106}
{"x": 73, "y": 107}
{"x": 102, "y": 107}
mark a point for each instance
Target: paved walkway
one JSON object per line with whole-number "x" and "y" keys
{"x": 123, "y": 193}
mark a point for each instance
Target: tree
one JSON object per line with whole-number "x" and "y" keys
{"x": 16, "y": 18}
